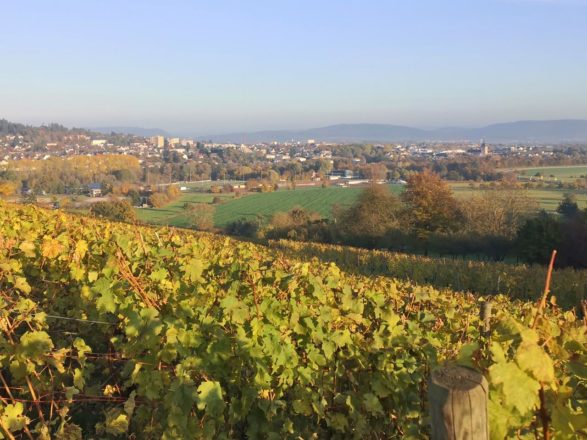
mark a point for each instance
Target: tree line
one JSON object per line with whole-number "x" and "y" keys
{"x": 426, "y": 218}
{"x": 70, "y": 175}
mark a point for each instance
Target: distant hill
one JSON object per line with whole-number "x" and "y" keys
{"x": 16, "y": 128}
{"x": 540, "y": 131}
{"x": 547, "y": 131}
{"x": 550, "y": 131}
{"x": 137, "y": 131}
{"x": 56, "y": 133}
{"x": 334, "y": 133}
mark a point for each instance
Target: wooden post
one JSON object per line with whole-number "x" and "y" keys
{"x": 485, "y": 317}
{"x": 458, "y": 404}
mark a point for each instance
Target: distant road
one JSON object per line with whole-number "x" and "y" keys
{"x": 202, "y": 182}
{"x": 184, "y": 182}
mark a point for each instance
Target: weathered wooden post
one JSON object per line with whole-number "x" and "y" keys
{"x": 485, "y": 317}
{"x": 458, "y": 404}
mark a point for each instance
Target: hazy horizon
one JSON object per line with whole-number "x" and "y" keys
{"x": 231, "y": 67}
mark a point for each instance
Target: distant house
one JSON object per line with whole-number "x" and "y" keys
{"x": 95, "y": 189}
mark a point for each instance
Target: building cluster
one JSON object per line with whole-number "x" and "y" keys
{"x": 152, "y": 149}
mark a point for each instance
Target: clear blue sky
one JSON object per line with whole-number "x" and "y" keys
{"x": 218, "y": 66}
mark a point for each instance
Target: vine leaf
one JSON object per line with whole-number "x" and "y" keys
{"x": 520, "y": 391}
{"x": 35, "y": 344}
{"x": 532, "y": 359}
{"x": 13, "y": 418}
{"x": 210, "y": 398}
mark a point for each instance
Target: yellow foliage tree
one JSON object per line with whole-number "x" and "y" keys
{"x": 8, "y": 188}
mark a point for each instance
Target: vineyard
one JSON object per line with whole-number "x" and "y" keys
{"x": 111, "y": 330}
{"x": 518, "y": 281}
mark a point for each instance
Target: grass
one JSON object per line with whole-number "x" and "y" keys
{"x": 548, "y": 199}
{"x": 250, "y": 206}
{"x": 317, "y": 199}
{"x": 566, "y": 174}
{"x": 173, "y": 213}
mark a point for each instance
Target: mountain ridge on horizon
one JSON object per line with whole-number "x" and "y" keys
{"x": 540, "y": 131}
{"x": 552, "y": 130}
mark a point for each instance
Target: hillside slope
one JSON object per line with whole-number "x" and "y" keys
{"x": 117, "y": 330}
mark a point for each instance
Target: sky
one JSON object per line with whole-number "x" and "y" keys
{"x": 221, "y": 66}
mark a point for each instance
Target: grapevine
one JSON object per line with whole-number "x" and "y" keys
{"x": 114, "y": 330}
{"x": 519, "y": 281}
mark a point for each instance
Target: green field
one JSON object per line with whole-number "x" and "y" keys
{"x": 250, "y": 206}
{"x": 568, "y": 173}
{"x": 318, "y": 200}
{"x": 172, "y": 214}
{"x": 548, "y": 199}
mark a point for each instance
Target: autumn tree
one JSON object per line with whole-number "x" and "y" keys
{"x": 8, "y": 188}
{"x": 324, "y": 167}
{"x": 158, "y": 200}
{"x": 273, "y": 176}
{"x": 172, "y": 192}
{"x": 375, "y": 212}
{"x": 429, "y": 205}
{"x": 200, "y": 215}
{"x": 497, "y": 213}
{"x": 375, "y": 172}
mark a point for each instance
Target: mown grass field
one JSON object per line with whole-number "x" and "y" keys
{"x": 563, "y": 173}
{"x": 547, "y": 199}
{"x": 173, "y": 214}
{"x": 318, "y": 200}
{"x": 250, "y": 206}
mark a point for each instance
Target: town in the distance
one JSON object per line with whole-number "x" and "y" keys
{"x": 489, "y": 200}
{"x": 171, "y": 159}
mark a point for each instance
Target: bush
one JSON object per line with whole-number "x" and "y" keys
{"x": 134, "y": 197}
{"x": 201, "y": 216}
{"x": 538, "y": 237}
{"x": 158, "y": 200}
{"x": 243, "y": 228}
{"x": 172, "y": 192}
{"x": 298, "y": 224}
{"x": 376, "y": 211}
{"x": 8, "y": 188}
{"x": 119, "y": 210}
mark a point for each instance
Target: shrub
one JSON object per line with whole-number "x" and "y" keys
{"x": 119, "y": 210}
{"x": 158, "y": 200}
{"x": 243, "y": 228}
{"x": 201, "y": 216}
